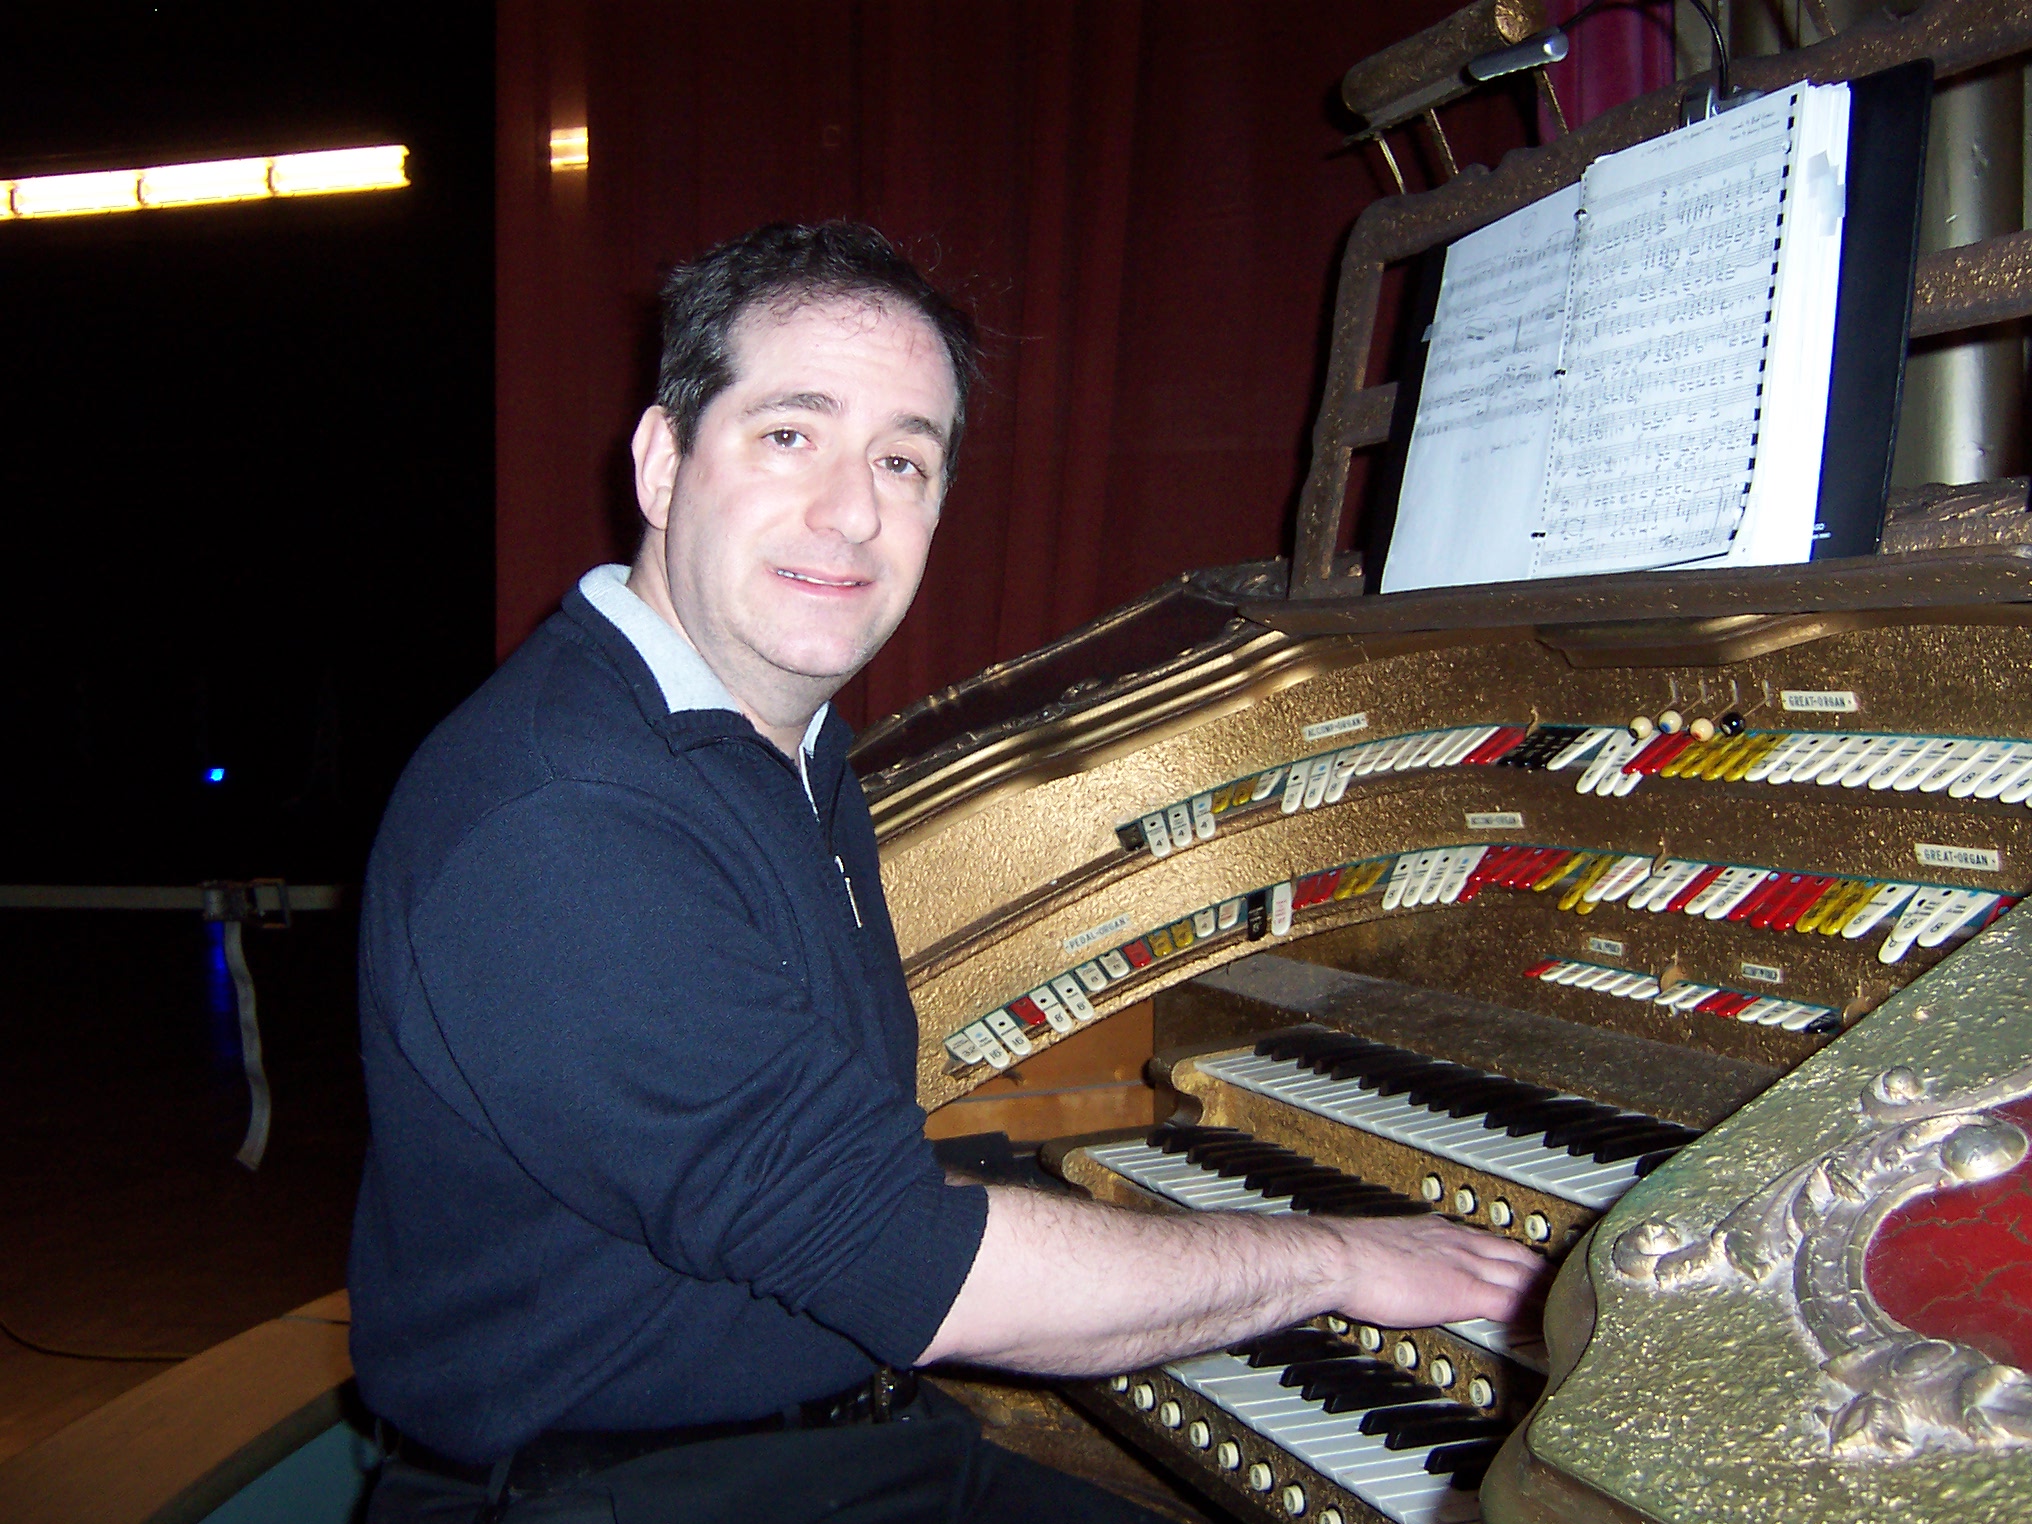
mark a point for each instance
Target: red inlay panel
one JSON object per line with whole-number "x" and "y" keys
{"x": 1958, "y": 1264}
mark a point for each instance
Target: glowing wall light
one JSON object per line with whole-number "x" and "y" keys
{"x": 570, "y": 148}
{"x": 205, "y": 184}
{"x": 339, "y": 169}
{"x": 112, "y": 190}
{"x": 329, "y": 172}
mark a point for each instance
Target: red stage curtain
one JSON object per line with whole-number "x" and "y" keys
{"x": 1141, "y": 203}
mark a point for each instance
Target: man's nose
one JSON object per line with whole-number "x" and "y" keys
{"x": 846, "y": 503}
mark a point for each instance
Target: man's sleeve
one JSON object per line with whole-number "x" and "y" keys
{"x": 643, "y": 1045}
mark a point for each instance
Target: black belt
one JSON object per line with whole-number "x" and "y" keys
{"x": 559, "y": 1457}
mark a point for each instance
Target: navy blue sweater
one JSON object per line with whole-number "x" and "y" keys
{"x": 646, "y": 1149}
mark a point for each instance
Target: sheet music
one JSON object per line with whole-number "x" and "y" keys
{"x": 1474, "y": 474}
{"x": 1662, "y": 370}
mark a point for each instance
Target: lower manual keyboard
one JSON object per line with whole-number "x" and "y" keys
{"x": 1359, "y": 1424}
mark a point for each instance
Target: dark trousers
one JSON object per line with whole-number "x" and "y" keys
{"x": 929, "y": 1466}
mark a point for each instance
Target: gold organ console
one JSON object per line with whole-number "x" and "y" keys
{"x": 1660, "y": 922}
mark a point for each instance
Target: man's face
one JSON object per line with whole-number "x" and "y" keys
{"x": 799, "y": 520}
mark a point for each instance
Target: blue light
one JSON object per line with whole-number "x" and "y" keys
{"x": 215, "y": 775}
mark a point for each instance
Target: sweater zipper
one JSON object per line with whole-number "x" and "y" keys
{"x": 846, "y": 878}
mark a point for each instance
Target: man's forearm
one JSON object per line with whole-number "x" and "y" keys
{"x": 1062, "y": 1286}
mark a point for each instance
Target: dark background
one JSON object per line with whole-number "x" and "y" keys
{"x": 246, "y": 451}
{"x": 280, "y": 481}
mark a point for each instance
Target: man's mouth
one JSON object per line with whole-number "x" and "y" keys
{"x": 812, "y": 579}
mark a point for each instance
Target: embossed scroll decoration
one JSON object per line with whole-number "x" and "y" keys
{"x": 1894, "y": 1390}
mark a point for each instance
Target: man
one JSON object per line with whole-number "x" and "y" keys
{"x": 649, "y": 1215}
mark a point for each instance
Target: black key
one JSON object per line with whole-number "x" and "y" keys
{"x": 1286, "y": 1345}
{"x": 1505, "y": 1093}
{"x": 1402, "y": 1207}
{"x": 1283, "y": 1179}
{"x": 1628, "y": 1142}
{"x": 1496, "y": 1092}
{"x": 1299, "y": 1372}
{"x": 1380, "y": 1065}
{"x": 1591, "y": 1130}
{"x": 1404, "y": 1081}
{"x": 1439, "y": 1093}
{"x": 1503, "y": 1113}
{"x": 1467, "y": 1462}
{"x": 1522, "y": 1121}
{"x": 1352, "y": 1395}
{"x": 1225, "y": 1150}
{"x": 1390, "y": 1420}
{"x": 1445, "y": 1430}
{"x": 1176, "y": 1140}
{"x": 1296, "y": 1042}
{"x": 1649, "y": 1162}
{"x": 1234, "y": 1166}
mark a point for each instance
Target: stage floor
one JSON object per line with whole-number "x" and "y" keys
{"x": 130, "y": 1228}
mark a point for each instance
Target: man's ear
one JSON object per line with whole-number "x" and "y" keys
{"x": 655, "y": 450}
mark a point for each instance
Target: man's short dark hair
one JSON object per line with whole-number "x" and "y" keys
{"x": 782, "y": 267}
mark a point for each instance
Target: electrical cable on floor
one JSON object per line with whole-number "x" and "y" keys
{"x": 111, "y": 1356}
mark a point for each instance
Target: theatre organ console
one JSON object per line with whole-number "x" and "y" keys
{"x": 1659, "y": 922}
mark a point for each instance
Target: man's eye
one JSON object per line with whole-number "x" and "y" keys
{"x": 901, "y": 465}
{"x": 784, "y": 437}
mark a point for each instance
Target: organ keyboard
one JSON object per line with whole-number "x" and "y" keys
{"x": 1632, "y": 917}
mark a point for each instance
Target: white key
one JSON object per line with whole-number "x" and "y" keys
{"x": 1728, "y": 880}
{"x": 1644, "y": 989}
{"x": 1682, "y": 997}
{"x": 1464, "y": 862}
{"x": 1745, "y": 887}
{"x": 1075, "y": 998}
{"x": 963, "y": 1048}
{"x": 1006, "y": 1027}
{"x": 1955, "y": 917}
{"x": 1203, "y": 822}
{"x": 1400, "y": 879}
{"x": 1626, "y": 988}
{"x": 1661, "y": 886}
{"x": 1620, "y": 880}
{"x": 1887, "y": 898}
{"x": 1916, "y": 915}
{"x": 1266, "y": 785}
{"x": 1614, "y": 752}
{"x": 1892, "y": 763}
{"x": 1596, "y": 976}
{"x": 1379, "y": 756}
{"x": 1421, "y": 754}
{"x": 1618, "y": 784}
{"x": 1864, "y": 765}
{"x": 1430, "y": 866}
{"x": 1435, "y": 881}
{"x": 1801, "y": 759}
{"x": 2015, "y": 791}
{"x": 1835, "y": 761}
{"x": 1783, "y": 752}
{"x": 1579, "y": 747}
{"x": 1802, "y": 1016}
{"x": 1115, "y": 965}
{"x": 1157, "y": 835}
{"x": 1294, "y": 788}
{"x": 1342, "y": 775}
{"x": 1046, "y": 1000}
{"x": 1091, "y": 976}
{"x": 1932, "y": 755}
{"x": 1230, "y": 914}
{"x": 989, "y": 1044}
{"x": 1203, "y": 921}
{"x": 1755, "y": 1012}
{"x": 1179, "y": 818}
{"x": 1316, "y": 777}
{"x": 1464, "y": 741}
{"x": 1991, "y": 753}
{"x": 1280, "y": 908}
{"x": 2006, "y": 772}
{"x": 1959, "y": 759}
{"x": 1552, "y": 974}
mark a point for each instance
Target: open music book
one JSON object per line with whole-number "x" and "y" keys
{"x": 1633, "y": 373}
